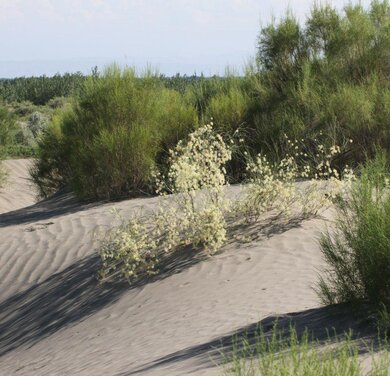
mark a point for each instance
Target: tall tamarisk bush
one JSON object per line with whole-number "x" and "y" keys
{"x": 107, "y": 143}
{"x": 357, "y": 251}
{"x": 330, "y": 73}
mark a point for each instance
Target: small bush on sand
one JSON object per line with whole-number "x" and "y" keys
{"x": 285, "y": 353}
{"x": 197, "y": 177}
{"x": 299, "y": 184}
{"x": 197, "y": 211}
{"x": 50, "y": 170}
{"x": 194, "y": 215}
{"x": 358, "y": 250}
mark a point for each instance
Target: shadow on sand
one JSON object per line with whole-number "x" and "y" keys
{"x": 59, "y": 204}
{"x": 74, "y": 294}
{"x": 322, "y": 323}
{"x": 71, "y": 296}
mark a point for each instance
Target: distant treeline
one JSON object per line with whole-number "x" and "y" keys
{"x": 40, "y": 90}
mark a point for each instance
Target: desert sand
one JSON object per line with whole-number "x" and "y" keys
{"x": 56, "y": 319}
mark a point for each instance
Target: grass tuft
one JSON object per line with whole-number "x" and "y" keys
{"x": 286, "y": 353}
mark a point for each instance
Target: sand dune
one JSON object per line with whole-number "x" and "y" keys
{"x": 18, "y": 191}
{"x": 55, "y": 319}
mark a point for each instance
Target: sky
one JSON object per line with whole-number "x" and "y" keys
{"x": 173, "y": 36}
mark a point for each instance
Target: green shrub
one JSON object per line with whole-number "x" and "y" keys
{"x": 57, "y": 102}
{"x": 358, "y": 250}
{"x": 7, "y": 127}
{"x": 3, "y": 175}
{"x": 22, "y": 109}
{"x": 20, "y": 151}
{"x": 37, "y": 122}
{"x": 329, "y": 74}
{"x": 286, "y": 352}
{"x": 50, "y": 168}
{"x": 24, "y": 136}
{"x": 228, "y": 110}
{"x": 201, "y": 92}
{"x": 119, "y": 126}
{"x": 351, "y": 112}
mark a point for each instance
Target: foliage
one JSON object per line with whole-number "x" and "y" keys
{"x": 359, "y": 246}
{"x": 3, "y": 175}
{"x": 198, "y": 213}
{"x": 40, "y": 90}
{"x": 22, "y": 125}
{"x": 119, "y": 127}
{"x": 7, "y": 127}
{"x": 197, "y": 176}
{"x": 273, "y": 186}
{"x": 194, "y": 216}
{"x": 330, "y": 74}
{"x": 50, "y": 168}
{"x": 228, "y": 110}
{"x": 285, "y": 352}
{"x": 20, "y": 151}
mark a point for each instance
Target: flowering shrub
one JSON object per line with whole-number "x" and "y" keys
{"x": 199, "y": 163}
{"x": 194, "y": 215}
{"x": 197, "y": 176}
{"x": 273, "y": 186}
{"x": 129, "y": 247}
{"x": 197, "y": 210}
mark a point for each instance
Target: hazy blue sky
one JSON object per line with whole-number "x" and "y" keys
{"x": 49, "y": 36}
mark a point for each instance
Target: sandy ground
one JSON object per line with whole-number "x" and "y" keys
{"x": 19, "y": 191}
{"x": 55, "y": 319}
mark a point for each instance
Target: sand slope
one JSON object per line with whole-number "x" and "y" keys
{"x": 56, "y": 320}
{"x": 18, "y": 191}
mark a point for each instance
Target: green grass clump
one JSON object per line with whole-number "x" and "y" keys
{"x": 286, "y": 353}
{"x": 358, "y": 250}
{"x": 7, "y": 127}
{"x": 3, "y": 175}
{"x": 119, "y": 126}
{"x": 228, "y": 110}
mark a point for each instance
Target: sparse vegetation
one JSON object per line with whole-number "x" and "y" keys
{"x": 198, "y": 213}
{"x": 193, "y": 216}
{"x": 288, "y": 353}
{"x": 300, "y": 128}
{"x": 3, "y": 175}
{"x": 358, "y": 249}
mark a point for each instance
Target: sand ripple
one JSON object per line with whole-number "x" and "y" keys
{"x": 56, "y": 320}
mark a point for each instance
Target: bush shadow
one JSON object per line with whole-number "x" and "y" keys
{"x": 323, "y": 324}
{"x": 60, "y": 204}
{"x": 71, "y": 296}
{"x": 244, "y": 232}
